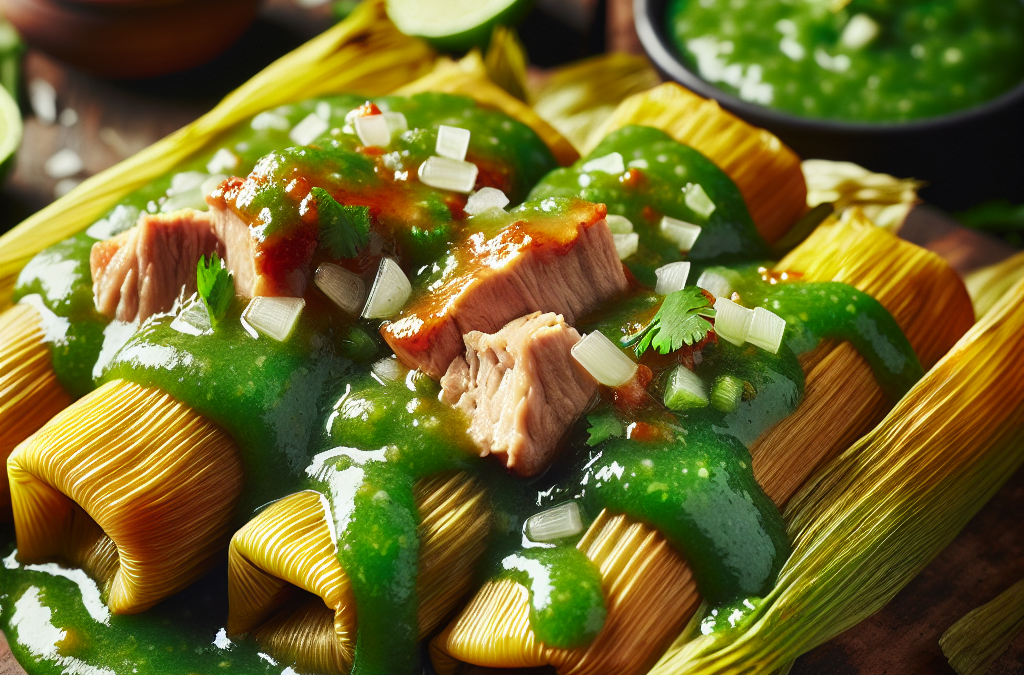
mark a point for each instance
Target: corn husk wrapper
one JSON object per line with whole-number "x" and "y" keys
{"x": 988, "y": 284}
{"x": 885, "y": 199}
{"x": 365, "y": 54}
{"x": 29, "y": 391}
{"x": 655, "y": 591}
{"x": 130, "y": 485}
{"x": 766, "y": 172}
{"x": 973, "y": 643}
{"x": 287, "y": 589}
{"x": 578, "y": 98}
{"x": 876, "y": 515}
{"x": 506, "y": 61}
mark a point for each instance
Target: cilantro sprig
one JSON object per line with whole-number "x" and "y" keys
{"x": 604, "y": 424}
{"x": 343, "y": 229}
{"x": 682, "y": 319}
{"x": 216, "y": 287}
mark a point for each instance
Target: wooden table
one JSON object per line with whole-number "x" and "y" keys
{"x": 114, "y": 120}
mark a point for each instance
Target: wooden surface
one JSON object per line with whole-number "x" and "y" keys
{"x": 113, "y": 120}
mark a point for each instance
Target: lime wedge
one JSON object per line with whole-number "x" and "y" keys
{"x": 10, "y": 128}
{"x": 455, "y": 25}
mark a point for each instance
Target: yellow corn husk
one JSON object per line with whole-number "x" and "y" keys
{"x": 885, "y": 199}
{"x": 132, "y": 486}
{"x": 578, "y": 98}
{"x": 842, "y": 401}
{"x": 506, "y": 61}
{"x": 974, "y": 642}
{"x": 287, "y": 588}
{"x": 875, "y": 516}
{"x": 468, "y": 76}
{"x": 766, "y": 172}
{"x": 365, "y": 54}
{"x": 989, "y": 284}
{"x": 29, "y": 391}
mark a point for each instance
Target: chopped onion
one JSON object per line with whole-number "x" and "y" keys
{"x": 185, "y": 181}
{"x": 222, "y": 160}
{"x": 452, "y": 142}
{"x": 269, "y": 120}
{"x": 187, "y": 191}
{"x": 603, "y": 360}
{"x": 389, "y": 369}
{"x": 373, "y": 131}
{"x": 274, "y": 317}
{"x": 555, "y": 523}
{"x": 211, "y": 184}
{"x": 626, "y": 244}
{"x": 390, "y": 290}
{"x": 766, "y": 329}
{"x": 715, "y": 284}
{"x": 612, "y": 164}
{"x": 444, "y": 173}
{"x": 859, "y": 31}
{"x": 726, "y": 393}
{"x": 671, "y": 277}
{"x": 323, "y": 111}
{"x": 698, "y": 200}
{"x": 308, "y": 130}
{"x": 193, "y": 319}
{"x": 682, "y": 233}
{"x": 685, "y": 390}
{"x": 397, "y": 124}
{"x": 732, "y": 321}
{"x": 344, "y": 288}
{"x": 619, "y": 224}
{"x": 485, "y": 198}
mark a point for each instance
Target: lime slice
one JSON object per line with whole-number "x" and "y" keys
{"x": 10, "y": 128}
{"x": 455, "y": 25}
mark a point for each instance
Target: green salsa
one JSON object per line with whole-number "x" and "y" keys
{"x": 858, "y": 61}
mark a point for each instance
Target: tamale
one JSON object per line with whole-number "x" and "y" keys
{"x": 130, "y": 485}
{"x": 492, "y": 630}
{"x": 973, "y": 643}
{"x": 29, "y": 391}
{"x": 989, "y": 284}
{"x": 884, "y": 199}
{"x": 287, "y": 588}
{"x": 766, "y": 172}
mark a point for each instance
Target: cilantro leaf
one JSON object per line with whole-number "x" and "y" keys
{"x": 216, "y": 287}
{"x": 604, "y": 425}
{"x": 682, "y": 319}
{"x": 343, "y": 229}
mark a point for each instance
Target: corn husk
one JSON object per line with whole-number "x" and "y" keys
{"x": 973, "y": 643}
{"x": 506, "y": 61}
{"x": 842, "y": 400}
{"x": 875, "y": 516}
{"x": 29, "y": 391}
{"x": 885, "y": 199}
{"x": 766, "y": 172}
{"x": 988, "y": 284}
{"x": 287, "y": 588}
{"x": 578, "y": 98}
{"x": 130, "y": 485}
{"x": 365, "y": 53}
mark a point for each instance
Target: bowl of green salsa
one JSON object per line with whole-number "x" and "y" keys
{"x": 927, "y": 88}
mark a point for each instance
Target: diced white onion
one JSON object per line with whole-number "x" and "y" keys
{"x": 211, "y": 184}
{"x": 184, "y": 181}
{"x": 222, "y": 160}
{"x": 671, "y": 277}
{"x": 323, "y": 111}
{"x": 619, "y": 224}
{"x": 859, "y": 31}
{"x": 715, "y": 284}
{"x": 603, "y": 360}
{"x": 308, "y": 130}
{"x": 119, "y": 220}
{"x": 485, "y": 198}
{"x": 344, "y": 288}
{"x": 556, "y": 523}
{"x": 269, "y": 120}
{"x": 390, "y": 290}
{"x": 444, "y": 173}
{"x": 188, "y": 191}
{"x": 389, "y": 369}
{"x": 274, "y": 317}
{"x": 452, "y": 142}
{"x": 626, "y": 244}
{"x": 397, "y": 124}
{"x": 373, "y": 131}
{"x": 685, "y": 389}
{"x": 63, "y": 163}
{"x": 732, "y": 321}
{"x": 682, "y": 233}
{"x": 698, "y": 200}
{"x": 766, "y": 329}
{"x": 193, "y": 320}
{"x": 612, "y": 164}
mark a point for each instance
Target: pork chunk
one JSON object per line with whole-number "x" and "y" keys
{"x": 243, "y": 252}
{"x": 564, "y": 263}
{"x": 142, "y": 271}
{"x": 521, "y": 389}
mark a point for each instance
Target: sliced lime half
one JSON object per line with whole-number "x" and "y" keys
{"x": 455, "y": 25}
{"x": 10, "y": 128}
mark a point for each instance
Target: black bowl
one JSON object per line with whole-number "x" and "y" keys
{"x": 966, "y": 157}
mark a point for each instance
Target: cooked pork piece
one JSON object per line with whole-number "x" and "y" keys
{"x": 521, "y": 388}
{"x": 563, "y": 262}
{"x": 142, "y": 271}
